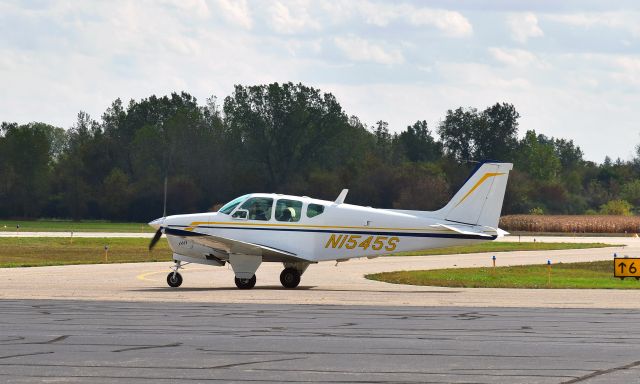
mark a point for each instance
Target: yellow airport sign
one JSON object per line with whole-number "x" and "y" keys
{"x": 626, "y": 267}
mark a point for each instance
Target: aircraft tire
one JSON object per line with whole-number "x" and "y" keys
{"x": 290, "y": 278}
{"x": 174, "y": 279}
{"x": 246, "y": 283}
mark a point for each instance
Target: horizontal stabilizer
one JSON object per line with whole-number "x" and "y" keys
{"x": 502, "y": 232}
{"x": 461, "y": 230}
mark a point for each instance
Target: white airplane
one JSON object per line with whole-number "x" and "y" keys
{"x": 299, "y": 231}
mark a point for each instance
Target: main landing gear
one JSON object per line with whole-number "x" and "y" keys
{"x": 290, "y": 278}
{"x": 174, "y": 279}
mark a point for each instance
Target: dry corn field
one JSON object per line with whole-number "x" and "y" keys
{"x": 571, "y": 223}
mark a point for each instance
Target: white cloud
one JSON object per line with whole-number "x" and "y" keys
{"x": 378, "y": 14}
{"x": 291, "y": 20}
{"x": 382, "y": 14}
{"x": 524, "y": 26}
{"x": 516, "y": 57}
{"x": 627, "y": 20}
{"x": 481, "y": 76}
{"x": 198, "y": 8}
{"x": 236, "y": 12}
{"x": 451, "y": 23}
{"x": 629, "y": 70}
{"x": 358, "y": 49}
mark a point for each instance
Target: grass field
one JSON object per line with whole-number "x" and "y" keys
{"x": 39, "y": 251}
{"x": 68, "y": 226}
{"x": 598, "y": 274}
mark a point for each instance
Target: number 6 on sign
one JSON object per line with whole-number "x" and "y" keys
{"x": 626, "y": 267}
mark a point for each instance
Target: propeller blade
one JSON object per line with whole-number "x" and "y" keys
{"x": 155, "y": 239}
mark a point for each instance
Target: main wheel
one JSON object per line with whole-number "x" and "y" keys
{"x": 246, "y": 283}
{"x": 290, "y": 278}
{"x": 174, "y": 279}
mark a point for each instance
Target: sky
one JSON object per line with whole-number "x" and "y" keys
{"x": 571, "y": 68}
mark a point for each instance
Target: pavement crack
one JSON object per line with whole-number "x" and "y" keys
{"x": 602, "y": 372}
{"x": 25, "y": 354}
{"x": 55, "y": 340}
{"x": 256, "y": 362}
{"x": 148, "y": 347}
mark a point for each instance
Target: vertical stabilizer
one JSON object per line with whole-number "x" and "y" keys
{"x": 479, "y": 201}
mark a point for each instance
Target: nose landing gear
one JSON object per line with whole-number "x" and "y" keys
{"x": 174, "y": 279}
{"x": 246, "y": 283}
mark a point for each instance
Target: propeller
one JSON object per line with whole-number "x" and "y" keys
{"x": 155, "y": 239}
{"x": 158, "y": 234}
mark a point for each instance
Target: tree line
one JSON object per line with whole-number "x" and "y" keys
{"x": 287, "y": 138}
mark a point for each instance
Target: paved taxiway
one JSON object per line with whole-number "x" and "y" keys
{"x": 120, "y": 323}
{"x": 324, "y": 283}
{"x": 125, "y": 342}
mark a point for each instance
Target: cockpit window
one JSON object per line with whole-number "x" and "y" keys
{"x": 230, "y": 206}
{"x": 259, "y": 208}
{"x": 288, "y": 210}
{"x": 314, "y": 210}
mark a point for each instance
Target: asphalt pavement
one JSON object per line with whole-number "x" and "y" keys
{"x": 126, "y": 342}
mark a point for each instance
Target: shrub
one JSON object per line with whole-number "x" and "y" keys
{"x": 617, "y": 208}
{"x": 536, "y": 211}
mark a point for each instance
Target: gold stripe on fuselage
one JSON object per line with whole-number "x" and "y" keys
{"x": 195, "y": 224}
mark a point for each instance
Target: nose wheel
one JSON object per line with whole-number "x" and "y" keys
{"x": 246, "y": 283}
{"x": 174, "y": 278}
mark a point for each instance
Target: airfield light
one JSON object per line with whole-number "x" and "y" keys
{"x": 549, "y": 270}
{"x": 494, "y": 261}
{"x": 106, "y": 253}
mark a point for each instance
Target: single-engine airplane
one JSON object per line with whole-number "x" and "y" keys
{"x": 299, "y": 231}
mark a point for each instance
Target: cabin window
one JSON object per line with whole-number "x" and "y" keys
{"x": 314, "y": 210}
{"x": 230, "y": 206}
{"x": 259, "y": 208}
{"x": 288, "y": 210}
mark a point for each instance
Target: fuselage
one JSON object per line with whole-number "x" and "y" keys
{"x": 315, "y": 230}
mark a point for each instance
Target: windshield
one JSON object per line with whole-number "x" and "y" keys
{"x": 230, "y": 206}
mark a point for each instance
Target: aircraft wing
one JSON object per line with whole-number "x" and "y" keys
{"x": 227, "y": 245}
{"x": 462, "y": 230}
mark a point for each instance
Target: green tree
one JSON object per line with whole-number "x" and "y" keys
{"x": 631, "y": 192}
{"x": 456, "y": 132}
{"x": 496, "y": 134}
{"x": 470, "y": 135}
{"x": 538, "y": 158}
{"x": 418, "y": 144}
{"x": 26, "y": 158}
{"x": 284, "y": 130}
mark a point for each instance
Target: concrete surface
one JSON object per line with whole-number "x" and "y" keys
{"x": 124, "y": 342}
{"x": 323, "y": 283}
